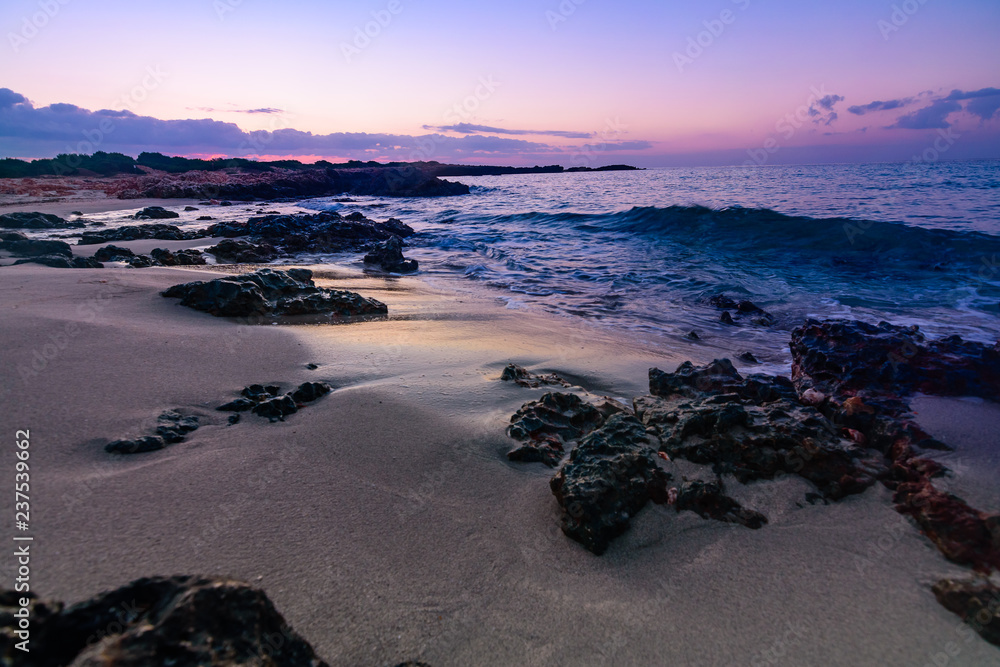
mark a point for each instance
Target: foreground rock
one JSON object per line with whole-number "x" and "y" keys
{"x": 157, "y": 621}
{"x": 610, "y": 476}
{"x": 325, "y": 232}
{"x": 24, "y": 220}
{"x": 524, "y": 378}
{"x": 389, "y": 256}
{"x": 37, "y": 248}
{"x": 171, "y": 427}
{"x": 546, "y": 425}
{"x": 269, "y": 402}
{"x": 270, "y": 295}
{"x": 138, "y": 232}
{"x": 977, "y": 602}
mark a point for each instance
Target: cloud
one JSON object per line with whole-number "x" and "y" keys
{"x": 67, "y": 128}
{"x": 933, "y": 116}
{"x": 822, "y": 109}
{"x": 214, "y": 110}
{"x": 983, "y": 103}
{"x": 878, "y": 105}
{"x": 469, "y": 128}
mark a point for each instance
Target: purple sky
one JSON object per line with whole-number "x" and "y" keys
{"x": 574, "y": 82}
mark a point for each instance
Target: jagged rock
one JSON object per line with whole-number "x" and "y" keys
{"x": 977, "y": 602}
{"x": 844, "y": 358}
{"x": 141, "y": 262}
{"x": 158, "y": 621}
{"x": 148, "y": 443}
{"x": 37, "y": 248}
{"x": 113, "y": 253}
{"x": 187, "y": 257}
{"x": 523, "y": 378}
{"x": 708, "y": 500}
{"x": 726, "y": 318}
{"x": 744, "y": 310}
{"x": 173, "y": 427}
{"x": 243, "y": 252}
{"x": 155, "y": 213}
{"x": 307, "y": 392}
{"x": 269, "y": 402}
{"x": 258, "y": 392}
{"x": 692, "y": 335}
{"x": 270, "y": 294}
{"x": 546, "y": 424}
{"x": 276, "y": 409}
{"x": 747, "y": 357}
{"x": 25, "y": 220}
{"x": 237, "y": 405}
{"x": 389, "y": 255}
{"x": 13, "y": 236}
{"x": 60, "y": 262}
{"x": 137, "y": 232}
{"x": 719, "y": 377}
{"x": 610, "y": 476}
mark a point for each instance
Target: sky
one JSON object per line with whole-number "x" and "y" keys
{"x": 521, "y": 82}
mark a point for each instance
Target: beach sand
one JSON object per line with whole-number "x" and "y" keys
{"x": 385, "y": 521}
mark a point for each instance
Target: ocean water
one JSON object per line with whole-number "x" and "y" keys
{"x": 641, "y": 253}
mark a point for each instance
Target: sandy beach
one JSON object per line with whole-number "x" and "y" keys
{"x": 385, "y": 521}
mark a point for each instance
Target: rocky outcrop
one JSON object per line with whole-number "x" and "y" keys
{"x": 187, "y": 257}
{"x": 269, "y": 402}
{"x": 157, "y": 621}
{"x": 546, "y": 425}
{"x": 389, "y": 256}
{"x": 324, "y": 232}
{"x": 25, "y": 220}
{"x": 113, "y": 253}
{"x": 138, "y": 232}
{"x": 524, "y": 378}
{"x": 37, "y": 248}
{"x": 272, "y": 295}
{"x": 155, "y": 213}
{"x": 610, "y": 476}
{"x": 171, "y": 427}
{"x": 61, "y": 262}
{"x": 232, "y": 251}
{"x": 746, "y": 311}
{"x": 977, "y": 602}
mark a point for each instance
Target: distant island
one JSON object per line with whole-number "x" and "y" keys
{"x": 169, "y": 177}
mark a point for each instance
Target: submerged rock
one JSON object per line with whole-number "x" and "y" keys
{"x": 155, "y": 213}
{"x": 977, "y": 602}
{"x": 610, "y": 476}
{"x": 158, "y": 621}
{"x": 745, "y": 310}
{"x": 524, "y": 378}
{"x": 25, "y": 220}
{"x": 389, "y": 255}
{"x": 271, "y": 295}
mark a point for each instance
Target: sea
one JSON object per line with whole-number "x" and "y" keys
{"x": 639, "y": 254}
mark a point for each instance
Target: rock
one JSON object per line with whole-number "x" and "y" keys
{"x": 187, "y": 257}
{"x": 976, "y": 602}
{"x": 692, "y": 335}
{"x": 258, "y": 392}
{"x": 157, "y": 621}
{"x": 276, "y": 409}
{"x": 723, "y": 302}
{"x": 307, "y": 392}
{"x": 708, "y": 501}
{"x": 610, "y": 477}
{"x": 744, "y": 310}
{"x": 204, "y": 217}
{"x": 190, "y": 208}
{"x": 173, "y": 427}
{"x": 138, "y": 232}
{"x": 23, "y": 220}
{"x": 141, "y": 262}
{"x": 747, "y": 357}
{"x": 523, "y": 378}
{"x": 272, "y": 295}
{"x": 36, "y": 248}
{"x": 155, "y": 213}
{"x": 12, "y": 236}
{"x": 113, "y": 253}
{"x": 389, "y": 255}
{"x": 547, "y": 424}
{"x": 147, "y": 443}
{"x": 76, "y": 212}
{"x": 726, "y": 318}
{"x": 242, "y": 252}
{"x": 238, "y": 405}
{"x": 719, "y": 377}
{"x": 60, "y": 262}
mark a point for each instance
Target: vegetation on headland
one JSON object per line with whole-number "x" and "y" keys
{"x": 111, "y": 164}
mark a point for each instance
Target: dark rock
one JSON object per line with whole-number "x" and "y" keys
{"x": 13, "y": 236}
{"x": 204, "y": 217}
{"x": 159, "y": 621}
{"x": 708, "y": 501}
{"x": 234, "y": 419}
{"x": 141, "y": 262}
{"x": 76, "y": 212}
{"x": 36, "y": 248}
{"x": 389, "y": 255}
{"x": 272, "y": 295}
{"x": 719, "y": 377}
{"x": 312, "y": 367}
{"x": 523, "y": 378}
{"x": 258, "y": 392}
{"x": 744, "y": 310}
{"x": 723, "y": 302}
{"x": 113, "y": 253}
{"x": 147, "y": 443}
{"x": 747, "y": 357}
{"x": 243, "y": 252}
{"x": 238, "y": 405}
{"x": 155, "y": 213}
{"x": 547, "y": 424}
{"x": 187, "y": 257}
{"x": 138, "y": 232}
{"x": 190, "y": 208}
{"x": 276, "y": 409}
{"x": 976, "y": 602}
{"x": 610, "y": 476}
{"x": 308, "y": 392}
{"x": 173, "y": 427}
{"x": 726, "y": 318}
{"x": 692, "y": 335}
{"x": 24, "y": 220}
{"x": 60, "y": 262}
